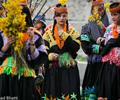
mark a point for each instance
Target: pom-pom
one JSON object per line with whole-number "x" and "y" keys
{"x": 63, "y": 2}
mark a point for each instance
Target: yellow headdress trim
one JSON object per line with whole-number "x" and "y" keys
{"x": 63, "y": 2}
{"x": 107, "y": 6}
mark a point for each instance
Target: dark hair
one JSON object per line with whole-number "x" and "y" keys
{"x": 25, "y": 10}
{"x": 58, "y": 6}
{"x": 55, "y": 22}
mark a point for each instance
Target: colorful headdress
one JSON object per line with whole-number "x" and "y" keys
{"x": 115, "y": 7}
{"x": 39, "y": 19}
{"x": 62, "y": 8}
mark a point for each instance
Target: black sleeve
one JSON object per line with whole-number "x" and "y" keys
{"x": 1, "y": 42}
{"x": 72, "y": 46}
{"x": 110, "y": 44}
{"x": 88, "y": 45}
{"x": 1, "y": 45}
{"x": 42, "y": 58}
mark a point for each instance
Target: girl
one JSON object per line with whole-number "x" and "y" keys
{"x": 109, "y": 80}
{"x": 62, "y": 43}
{"x": 90, "y": 41}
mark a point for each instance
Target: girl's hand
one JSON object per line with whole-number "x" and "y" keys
{"x": 100, "y": 40}
{"x": 53, "y": 56}
{"x": 10, "y": 41}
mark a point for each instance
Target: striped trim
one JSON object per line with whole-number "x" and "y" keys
{"x": 8, "y": 67}
{"x": 84, "y": 37}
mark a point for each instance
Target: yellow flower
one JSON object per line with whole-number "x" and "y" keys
{"x": 95, "y": 16}
{"x": 14, "y": 23}
{"x": 91, "y": 18}
{"x": 63, "y": 2}
{"x": 107, "y": 6}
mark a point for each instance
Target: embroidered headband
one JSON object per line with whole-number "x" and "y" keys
{"x": 115, "y": 7}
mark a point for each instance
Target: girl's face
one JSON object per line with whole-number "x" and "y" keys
{"x": 61, "y": 18}
{"x": 38, "y": 25}
{"x": 98, "y": 9}
{"x": 116, "y": 18}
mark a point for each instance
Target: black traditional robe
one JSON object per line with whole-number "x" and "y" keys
{"x": 62, "y": 81}
{"x": 13, "y": 84}
{"x": 89, "y": 35}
